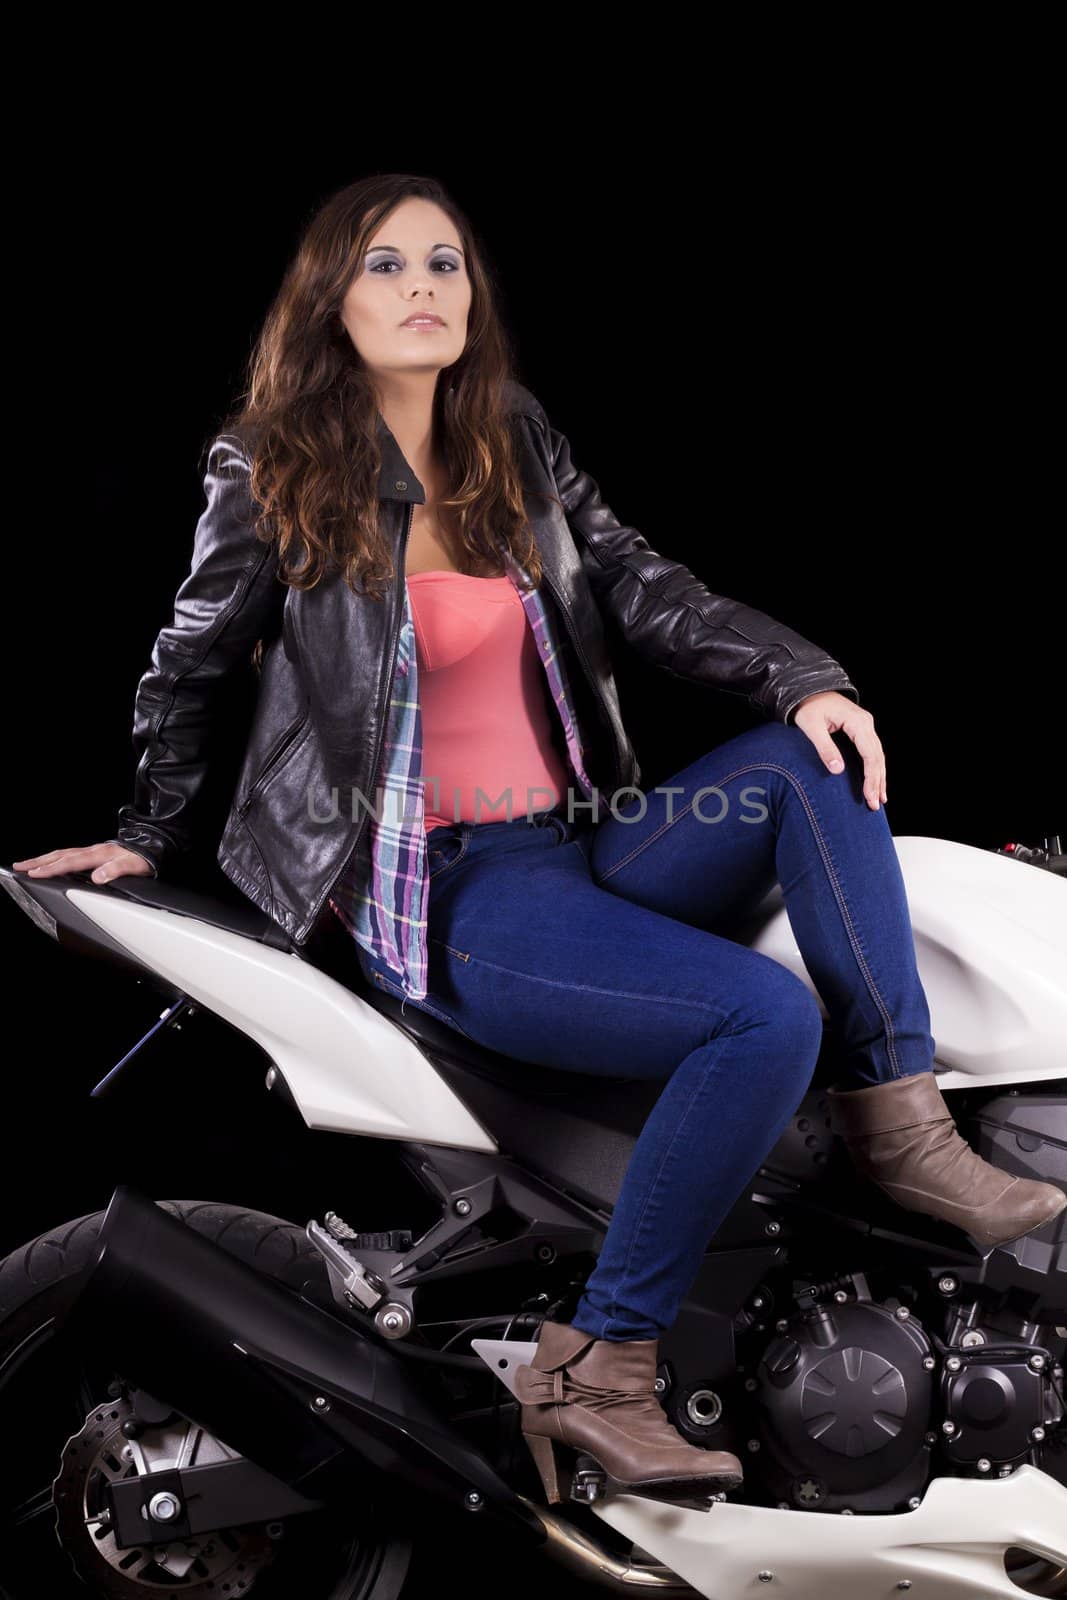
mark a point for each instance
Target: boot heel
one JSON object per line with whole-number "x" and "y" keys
{"x": 545, "y": 1462}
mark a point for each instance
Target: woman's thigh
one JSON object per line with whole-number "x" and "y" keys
{"x": 533, "y": 958}
{"x": 703, "y": 845}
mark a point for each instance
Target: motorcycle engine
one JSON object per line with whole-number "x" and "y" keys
{"x": 860, "y": 1406}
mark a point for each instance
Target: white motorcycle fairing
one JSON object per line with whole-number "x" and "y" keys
{"x": 990, "y": 938}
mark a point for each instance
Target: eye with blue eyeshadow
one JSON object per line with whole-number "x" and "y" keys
{"x": 442, "y": 261}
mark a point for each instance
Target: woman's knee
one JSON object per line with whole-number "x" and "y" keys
{"x": 787, "y": 1013}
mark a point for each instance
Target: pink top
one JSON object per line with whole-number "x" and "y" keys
{"x": 485, "y": 715}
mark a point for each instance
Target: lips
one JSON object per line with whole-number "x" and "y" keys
{"x": 422, "y": 317}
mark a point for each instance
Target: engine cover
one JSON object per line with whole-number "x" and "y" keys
{"x": 846, "y": 1404}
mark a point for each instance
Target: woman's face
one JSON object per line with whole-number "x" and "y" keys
{"x": 414, "y": 263}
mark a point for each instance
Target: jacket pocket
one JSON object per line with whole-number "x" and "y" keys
{"x": 274, "y": 762}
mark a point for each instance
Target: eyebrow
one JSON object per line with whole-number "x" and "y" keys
{"x": 399, "y": 252}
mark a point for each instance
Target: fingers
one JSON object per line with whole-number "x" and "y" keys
{"x": 873, "y": 771}
{"x": 107, "y": 861}
{"x": 56, "y": 861}
{"x": 860, "y": 729}
{"x": 119, "y": 867}
{"x": 869, "y": 746}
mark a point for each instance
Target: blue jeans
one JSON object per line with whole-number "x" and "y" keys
{"x": 601, "y": 948}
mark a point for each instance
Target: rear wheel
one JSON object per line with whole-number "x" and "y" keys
{"x": 61, "y": 1416}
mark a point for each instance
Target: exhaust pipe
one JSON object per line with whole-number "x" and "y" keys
{"x": 316, "y": 1401}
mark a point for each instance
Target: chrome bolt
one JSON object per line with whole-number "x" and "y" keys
{"x": 781, "y": 1325}
{"x": 1037, "y": 1363}
{"x": 902, "y": 1313}
{"x": 846, "y": 1511}
{"x": 914, "y": 1503}
{"x": 757, "y": 1301}
{"x": 462, "y": 1208}
{"x": 984, "y": 1464}
{"x": 660, "y": 1386}
{"x": 929, "y": 1363}
{"x": 971, "y": 1338}
{"x": 320, "y": 1403}
{"x": 164, "y": 1507}
{"x": 393, "y": 1320}
{"x": 948, "y": 1284}
{"x": 765, "y": 1576}
{"x": 953, "y": 1364}
{"x": 930, "y": 1438}
{"x": 704, "y": 1408}
{"x": 773, "y": 1228}
{"x": 1037, "y": 1434}
{"x": 840, "y": 1296}
{"x": 272, "y": 1074}
{"x": 948, "y": 1428}
{"x": 752, "y": 1444}
{"x": 473, "y": 1500}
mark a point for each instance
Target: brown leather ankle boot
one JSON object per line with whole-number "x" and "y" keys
{"x": 598, "y": 1396}
{"x": 902, "y": 1136}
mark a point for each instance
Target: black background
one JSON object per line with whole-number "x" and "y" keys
{"x": 808, "y": 355}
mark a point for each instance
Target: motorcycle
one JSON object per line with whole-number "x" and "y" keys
{"x": 203, "y": 1400}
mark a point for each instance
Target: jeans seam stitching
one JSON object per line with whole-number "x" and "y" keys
{"x": 846, "y": 917}
{"x": 614, "y": 994}
{"x": 651, "y": 839}
{"x": 464, "y": 955}
{"x": 857, "y": 951}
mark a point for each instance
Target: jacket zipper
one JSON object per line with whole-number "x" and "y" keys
{"x": 580, "y": 651}
{"x": 281, "y": 746}
{"x": 382, "y": 720}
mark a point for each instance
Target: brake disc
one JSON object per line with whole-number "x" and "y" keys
{"x": 224, "y": 1561}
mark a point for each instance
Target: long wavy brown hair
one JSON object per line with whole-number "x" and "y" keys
{"x": 310, "y": 411}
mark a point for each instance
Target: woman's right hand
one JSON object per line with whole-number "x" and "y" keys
{"x": 108, "y": 861}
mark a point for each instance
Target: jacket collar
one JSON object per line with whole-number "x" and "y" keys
{"x": 396, "y": 481}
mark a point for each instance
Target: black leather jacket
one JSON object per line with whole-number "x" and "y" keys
{"x": 329, "y": 654}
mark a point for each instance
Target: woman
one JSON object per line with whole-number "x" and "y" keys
{"x": 408, "y": 735}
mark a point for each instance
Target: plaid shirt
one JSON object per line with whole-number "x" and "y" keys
{"x": 381, "y": 897}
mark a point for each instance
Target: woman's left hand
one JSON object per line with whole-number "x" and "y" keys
{"x": 820, "y": 715}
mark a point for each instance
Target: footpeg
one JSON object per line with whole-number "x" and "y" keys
{"x": 588, "y": 1480}
{"x": 352, "y": 1283}
{"x": 590, "y": 1483}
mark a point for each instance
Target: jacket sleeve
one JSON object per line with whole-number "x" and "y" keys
{"x": 672, "y": 620}
{"x": 221, "y": 609}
